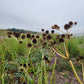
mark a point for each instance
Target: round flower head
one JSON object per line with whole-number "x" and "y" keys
{"x": 45, "y": 58}
{"x": 81, "y": 57}
{"x": 24, "y": 65}
{"x": 29, "y": 45}
{"x": 34, "y": 41}
{"x": 49, "y": 37}
{"x": 70, "y": 23}
{"x": 44, "y": 35}
{"x": 37, "y": 36}
{"x": 9, "y": 36}
{"x": 47, "y": 31}
{"x": 9, "y": 33}
{"x": 61, "y": 40}
{"x": 42, "y": 30}
{"x": 52, "y": 31}
{"x": 28, "y": 35}
{"x": 56, "y": 27}
{"x": 20, "y": 42}
{"x": 32, "y": 36}
{"x": 75, "y": 23}
{"x": 63, "y": 35}
{"x": 23, "y": 36}
{"x": 17, "y": 35}
{"x": 66, "y": 26}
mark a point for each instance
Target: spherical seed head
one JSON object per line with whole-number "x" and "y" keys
{"x": 70, "y": 23}
{"x": 20, "y": 42}
{"x": 61, "y": 40}
{"x": 52, "y": 31}
{"x": 45, "y": 58}
{"x": 17, "y": 35}
{"x": 77, "y": 59}
{"x": 56, "y": 27}
{"x": 28, "y": 64}
{"x": 28, "y": 35}
{"x": 63, "y": 35}
{"x": 37, "y": 36}
{"x": 21, "y": 69}
{"x": 53, "y": 27}
{"x": 29, "y": 45}
{"x": 42, "y": 30}
{"x": 44, "y": 43}
{"x": 34, "y": 41}
{"x": 54, "y": 42}
{"x": 49, "y": 37}
{"x": 9, "y": 36}
{"x": 47, "y": 31}
{"x": 9, "y": 33}
{"x": 23, "y": 36}
{"x": 75, "y": 23}
{"x": 71, "y": 34}
{"x": 66, "y": 26}
{"x": 20, "y": 64}
{"x": 32, "y": 36}
{"x": 81, "y": 57}
{"x": 24, "y": 65}
{"x": 44, "y": 36}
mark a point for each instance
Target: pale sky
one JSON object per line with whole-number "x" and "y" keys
{"x": 37, "y": 14}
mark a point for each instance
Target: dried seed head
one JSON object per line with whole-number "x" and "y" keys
{"x": 21, "y": 70}
{"x": 77, "y": 59}
{"x": 17, "y": 34}
{"x": 9, "y": 36}
{"x": 24, "y": 65}
{"x": 20, "y": 64}
{"x": 29, "y": 45}
{"x": 47, "y": 31}
{"x": 45, "y": 58}
{"x": 23, "y": 36}
{"x": 37, "y": 36}
{"x": 81, "y": 57}
{"x": 52, "y": 31}
{"x": 32, "y": 36}
{"x": 63, "y": 35}
{"x": 34, "y": 41}
{"x": 70, "y": 23}
{"x": 75, "y": 23}
{"x": 49, "y": 37}
{"x": 28, "y": 35}
{"x": 44, "y": 35}
{"x": 61, "y": 40}
{"x": 66, "y": 26}
{"x": 20, "y": 42}
{"x": 56, "y": 27}
{"x": 42, "y": 30}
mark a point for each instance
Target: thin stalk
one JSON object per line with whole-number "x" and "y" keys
{"x": 83, "y": 70}
{"x": 45, "y": 73}
{"x": 2, "y": 78}
{"x": 51, "y": 81}
{"x": 67, "y": 45}
{"x": 62, "y": 31}
{"x": 75, "y": 72}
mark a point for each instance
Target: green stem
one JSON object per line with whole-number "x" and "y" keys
{"x": 51, "y": 82}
